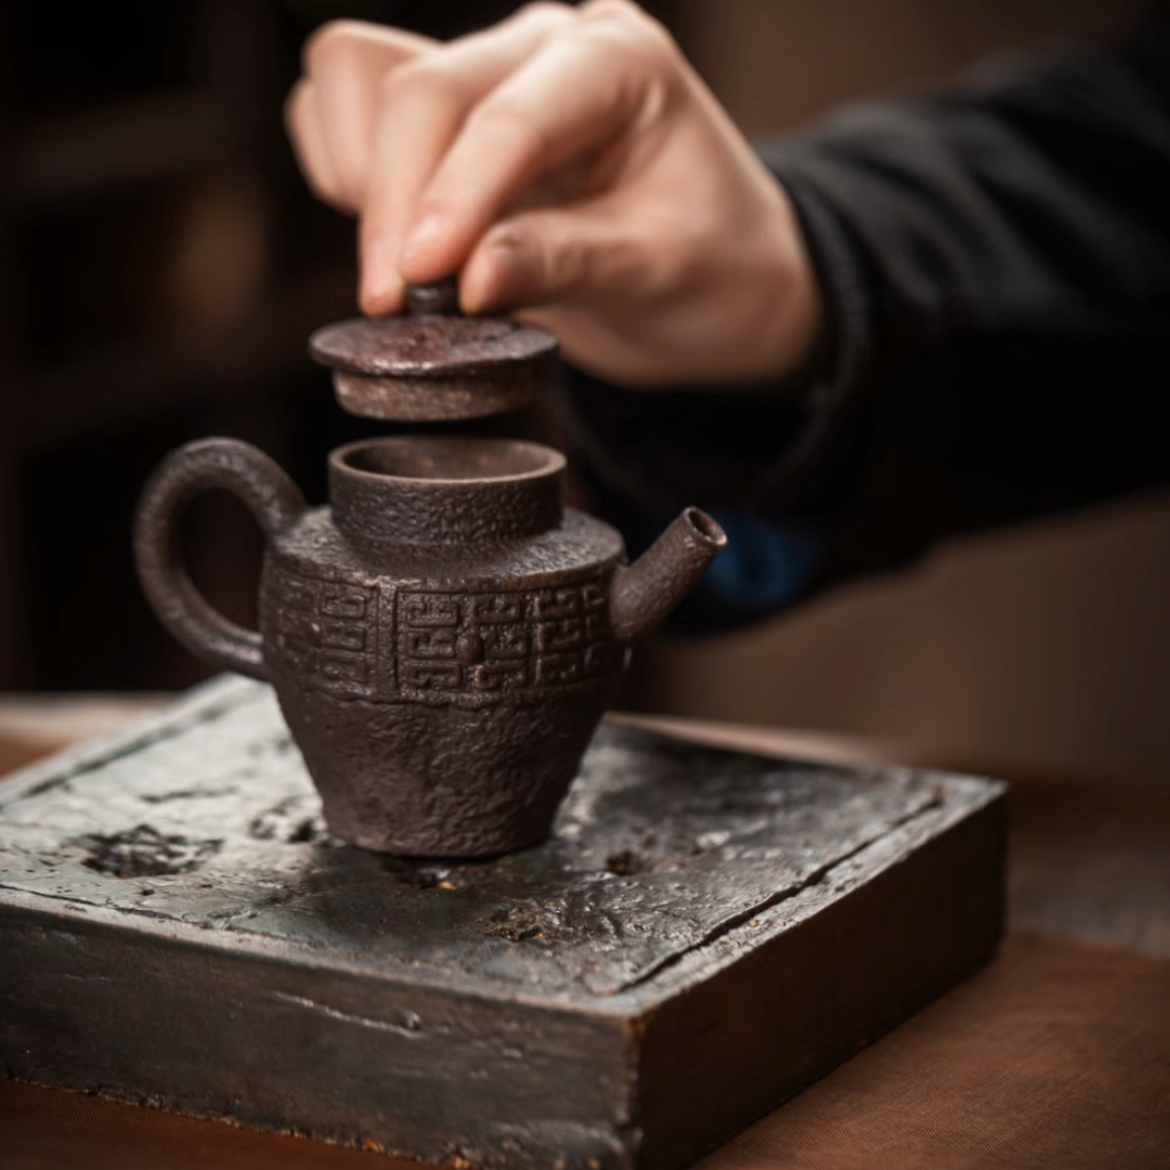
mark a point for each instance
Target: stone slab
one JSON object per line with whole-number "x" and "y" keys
{"x": 705, "y": 934}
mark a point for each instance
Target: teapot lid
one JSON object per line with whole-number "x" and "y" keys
{"x": 432, "y": 363}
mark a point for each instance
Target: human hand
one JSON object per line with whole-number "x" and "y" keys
{"x": 572, "y": 167}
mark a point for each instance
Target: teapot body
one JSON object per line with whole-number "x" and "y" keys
{"x": 441, "y": 695}
{"x": 442, "y": 639}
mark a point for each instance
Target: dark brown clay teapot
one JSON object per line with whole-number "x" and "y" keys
{"x": 443, "y": 638}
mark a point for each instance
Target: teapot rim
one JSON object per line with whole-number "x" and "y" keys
{"x": 547, "y": 461}
{"x": 523, "y": 495}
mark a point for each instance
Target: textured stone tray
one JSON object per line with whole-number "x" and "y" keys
{"x": 705, "y": 934}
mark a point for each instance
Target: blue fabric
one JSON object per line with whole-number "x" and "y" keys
{"x": 766, "y": 565}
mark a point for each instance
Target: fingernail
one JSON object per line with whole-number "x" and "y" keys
{"x": 484, "y": 281}
{"x": 384, "y": 300}
{"x": 381, "y": 287}
{"x": 377, "y": 298}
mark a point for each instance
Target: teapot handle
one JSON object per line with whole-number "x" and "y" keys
{"x": 197, "y": 467}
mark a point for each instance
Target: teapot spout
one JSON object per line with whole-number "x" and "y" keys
{"x": 646, "y": 591}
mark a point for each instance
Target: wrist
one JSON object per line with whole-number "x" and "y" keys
{"x": 793, "y": 325}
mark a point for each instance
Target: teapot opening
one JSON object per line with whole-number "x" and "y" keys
{"x": 452, "y": 459}
{"x": 427, "y": 489}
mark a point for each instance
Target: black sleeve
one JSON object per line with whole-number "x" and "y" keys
{"x": 996, "y": 266}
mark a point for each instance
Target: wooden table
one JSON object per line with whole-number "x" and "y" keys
{"x": 1056, "y": 1056}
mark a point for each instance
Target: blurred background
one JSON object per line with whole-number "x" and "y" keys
{"x": 161, "y": 266}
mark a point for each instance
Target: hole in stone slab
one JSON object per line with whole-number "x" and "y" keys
{"x": 527, "y": 924}
{"x": 294, "y": 820}
{"x": 145, "y": 852}
{"x": 417, "y": 875}
{"x": 304, "y": 832}
{"x": 624, "y": 862}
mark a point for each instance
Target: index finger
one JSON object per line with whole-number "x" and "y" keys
{"x": 424, "y": 104}
{"x": 345, "y": 61}
{"x": 570, "y": 98}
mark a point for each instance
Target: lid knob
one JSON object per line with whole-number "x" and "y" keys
{"x": 434, "y": 299}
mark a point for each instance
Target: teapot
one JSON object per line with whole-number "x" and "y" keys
{"x": 443, "y": 637}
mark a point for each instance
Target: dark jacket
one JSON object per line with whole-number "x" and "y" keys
{"x": 996, "y": 267}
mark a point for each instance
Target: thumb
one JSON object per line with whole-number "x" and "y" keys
{"x": 546, "y": 257}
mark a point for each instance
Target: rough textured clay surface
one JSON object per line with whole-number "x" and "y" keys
{"x": 703, "y": 934}
{"x": 434, "y": 364}
{"x": 443, "y": 639}
{"x": 428, "y": 346}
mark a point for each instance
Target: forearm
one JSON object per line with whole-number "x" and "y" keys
{"x": 995, "y": 270}
{"x": 1030, "y": 203}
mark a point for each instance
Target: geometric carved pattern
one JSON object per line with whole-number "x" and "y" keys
{"x": 471, "y": 647}
{"x": 519, "y": 640}
{"x": 327, "y": 631}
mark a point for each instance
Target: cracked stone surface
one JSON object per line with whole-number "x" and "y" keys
{"x": 704, "y": 934}
{"x": 661, "y": 850}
